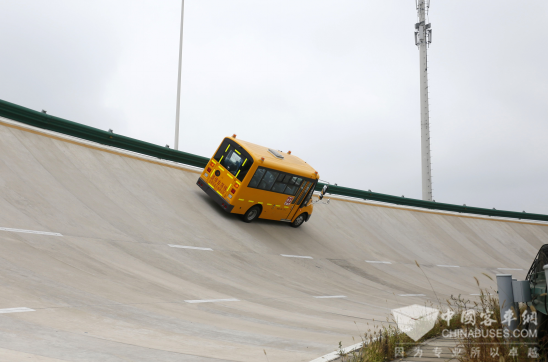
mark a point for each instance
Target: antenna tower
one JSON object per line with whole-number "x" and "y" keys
{"x": 423, "y": 38}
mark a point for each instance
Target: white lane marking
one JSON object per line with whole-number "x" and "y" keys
{"x": 30, "y": 231}
{"x": 212, "y": 300}
{"x": 16, "y": 310}
{"x": 189, "y": 247}
{"x": 377, "y": 262}
{"x": 297, "y": 256}
{"x": 449, "y": 266}
{"x": 412, "y": 295}
{"x": 336, "y": 355}
{"x": 509, "y": 269}
{"x": 329, "y": 296}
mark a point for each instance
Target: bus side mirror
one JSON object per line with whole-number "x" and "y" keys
{"x": 324, "y": 190}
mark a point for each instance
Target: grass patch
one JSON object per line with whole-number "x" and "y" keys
{"x": 481, "y": 338}
{"x": 487, "y": 343}
{"x": 381, "y": 341}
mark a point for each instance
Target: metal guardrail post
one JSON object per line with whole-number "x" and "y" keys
{"x": 546, "y": 274}
{"x": 522, "y": 291}
{"x": 506, "y": 298}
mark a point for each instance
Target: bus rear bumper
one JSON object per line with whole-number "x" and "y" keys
{"x": 214, "y": 195}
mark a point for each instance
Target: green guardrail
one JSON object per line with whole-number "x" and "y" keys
{"x": 368, "y": 195}
{"x": 60, "y": 125}
{"x": 56, "y": 124}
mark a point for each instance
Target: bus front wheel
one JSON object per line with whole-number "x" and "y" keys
{"x": 299, "y": 220}
{"x": 252, "y": 214}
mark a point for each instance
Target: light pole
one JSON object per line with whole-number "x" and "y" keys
{"x": 179, "y": 78}
{"x": 423, "y": 37}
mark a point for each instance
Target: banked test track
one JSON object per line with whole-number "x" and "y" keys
{"x": 111, "y": 253}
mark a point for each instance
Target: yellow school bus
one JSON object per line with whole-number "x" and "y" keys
{"x": 259, "y": 182}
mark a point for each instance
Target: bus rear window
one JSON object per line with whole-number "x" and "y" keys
{"x": 232, "y": 162}
{"x": 234, "y": 158}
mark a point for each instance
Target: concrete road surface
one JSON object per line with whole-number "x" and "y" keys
{"x": 85, "y": 235}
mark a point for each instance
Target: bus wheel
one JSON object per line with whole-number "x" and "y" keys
{"x": 298, "y": 221}
{"x": 252, "y": 214}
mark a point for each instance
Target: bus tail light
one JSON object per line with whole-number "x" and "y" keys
{"x": 208, "y": 169}
{"x": 233, "y": 191}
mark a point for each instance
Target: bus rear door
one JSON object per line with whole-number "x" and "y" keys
{"x": 228, "y": 168}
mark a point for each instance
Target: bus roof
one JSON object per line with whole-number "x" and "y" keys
{"x": 289, "y": 163}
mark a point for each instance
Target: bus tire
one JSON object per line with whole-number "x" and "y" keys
{"x": 299, "y": 220}
{"x": 252, "y": 214}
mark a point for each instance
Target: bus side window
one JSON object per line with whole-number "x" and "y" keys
{"x": 279, "y": 187}
{"x": 257, "y": 177}
{"x": 290, "y": 189}
{"x": 293, "y": 185}
{"x": 268, "y": 180}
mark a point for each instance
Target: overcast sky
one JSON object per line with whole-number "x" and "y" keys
{"x": 335, "y": 82}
